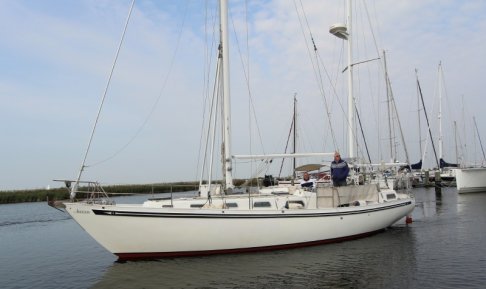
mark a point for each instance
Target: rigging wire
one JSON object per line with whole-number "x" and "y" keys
{"x": 154, "y": 106}
{"x": 357, "y": 99}
{"x": 463, "y": 153}
{"x": 215, "y": 102}
{"x": 264, "y": 164}
{"x": 394, "y": 107}
{"x": 333, "y": 88}
{"x": 207, "y": 72}
{"x": 246, "y": 73}
{"x": 428, "y": 124}
{"x": 315, "y": 64}
{"x": 250, "y": 137}
{"x": 286, "y": 146}
{"x": 362, "y": 133}
{"x": 292, "y": 129}
{"x": 375, "y": 42}
{"x": 339, "y": 102}
{"x": 247, "y": 82}
{"x": 83, "y": 165}
{"x": 448, "y": 101}
{"x": 321, "y": 88}
{"x": 479, "y": 137}
{"x": 211, "y": 125}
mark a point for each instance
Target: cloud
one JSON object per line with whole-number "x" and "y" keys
{"x": 56, "y": 57}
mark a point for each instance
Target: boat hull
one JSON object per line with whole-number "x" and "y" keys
{"x": 136, "y": 232}
{"x": 471, "y": 180}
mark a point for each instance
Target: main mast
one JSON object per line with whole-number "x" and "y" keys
{"x": 343, "y": 31}
{"x": 223, "y": 7}
{"x": 352, "y": 124}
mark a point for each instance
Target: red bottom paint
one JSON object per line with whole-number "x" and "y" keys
{"x": 158, "y": 255}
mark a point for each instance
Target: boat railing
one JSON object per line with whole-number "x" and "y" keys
{"x": 92, "y": 192}
{"x": 95, "y": 194}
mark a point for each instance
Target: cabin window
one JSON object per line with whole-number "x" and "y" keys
{"x": 262, "y": 205}
{"x": 297, "y": 202}
{"x": 167, "y": 206}
{"x": 390, "y": 196}
{"x": 231, "y": 205}
{"x": 294, "y": 204}
{"x": 197, "y": 205}
{"x": 160, "y": 199}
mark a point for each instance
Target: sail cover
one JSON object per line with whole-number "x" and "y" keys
{"x": 417, "y": 166}
{"x": 444, "y": 164}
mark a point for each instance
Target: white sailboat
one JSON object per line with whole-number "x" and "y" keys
{"x": 444, "y": 169}
{"x": 447, "y": 170}
{"x": 217, "y": 221}
{"x": 472, "y": 179}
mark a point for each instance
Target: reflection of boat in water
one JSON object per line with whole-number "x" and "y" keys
{"x": 314, "y": 267}
{"x": 220, "y": 221}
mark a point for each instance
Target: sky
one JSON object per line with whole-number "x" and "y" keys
{"x": 56, "y": 57}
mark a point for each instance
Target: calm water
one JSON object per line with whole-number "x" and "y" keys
{"x": 443, "y": 248}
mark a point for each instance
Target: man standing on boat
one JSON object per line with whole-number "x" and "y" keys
{"x": 339, "y": 171}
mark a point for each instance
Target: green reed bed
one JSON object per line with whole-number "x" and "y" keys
{"x": 42, "y": 195}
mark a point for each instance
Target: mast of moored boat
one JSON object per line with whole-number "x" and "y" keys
{"x": 428, "y": 123}
{"x": 392, "y": 108}
{"x": 294, "y": 176}
{"x": 388, "y": 106}
{"x": 455, "y": 142}
{"x": 419, "y": 123}
{"x": 479, "y": 138}
{"x": 227, "y": 168}
{"x": 441, "y": 157}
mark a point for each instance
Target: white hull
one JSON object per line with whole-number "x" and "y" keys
{"x": 471, "y": 180}
{"x": 135, "y": 231}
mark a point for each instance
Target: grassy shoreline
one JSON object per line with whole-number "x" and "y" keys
{"x": 41, "y": 195}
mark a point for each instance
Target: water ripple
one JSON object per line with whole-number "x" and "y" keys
{"x": 443, "y": 248}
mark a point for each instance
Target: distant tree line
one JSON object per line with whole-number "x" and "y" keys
{"x": 42, "y": 195}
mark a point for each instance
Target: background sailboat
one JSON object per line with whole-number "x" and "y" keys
{"x": 472, "y": 179}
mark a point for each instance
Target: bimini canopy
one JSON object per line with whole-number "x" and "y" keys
{"x": 309, "y": 167}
